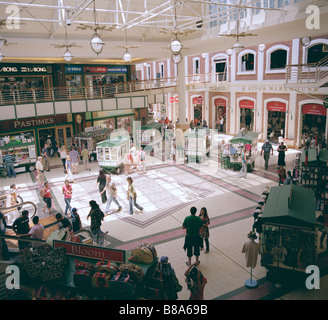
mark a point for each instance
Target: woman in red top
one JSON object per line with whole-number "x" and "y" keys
{"x": 67, "y": 191}
{"x": 45, "y": 192}
{"x": 196, "y": 282}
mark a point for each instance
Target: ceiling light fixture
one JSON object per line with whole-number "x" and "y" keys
{"x": 68, "y": 56}
{"x": 96, "y": 42}
{"x": 127, "y": 57}
{"x": 176, "y": 58}
{"x": 175, "y": 44}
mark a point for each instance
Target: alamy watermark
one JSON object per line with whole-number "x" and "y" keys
{"x": 13, "y": 18}
{"x": 313, "y": 20}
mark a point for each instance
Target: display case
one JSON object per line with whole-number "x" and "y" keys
{"x": 197, "y": 145}
{"x": 150, "y": 134}
{"x": 22, "y": 146}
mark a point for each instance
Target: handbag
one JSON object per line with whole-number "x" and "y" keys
{"x": 81, "y": 265}
{"x": 122, "y": 284}
{"x": 142, "y": 254}
{"x": 100, "y": 280}
{"x": 106, "y": 266}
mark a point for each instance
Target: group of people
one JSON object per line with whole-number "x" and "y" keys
{"x": 135, "y": 159}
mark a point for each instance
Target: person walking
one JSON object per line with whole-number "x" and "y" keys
{"x": 8, "y": 160}
{"x": 142, "y": 161}
{"x": 85, "y": 157}
{"x": 40, "y": 170}
{"x": 75, "y": 156}
{"x": 221, "y": 121}
{"x": 127, "y": 163}
{"x": 68, "y": 164}
{"x": 63, "y": 155}
{"x": 46, "y": 195}
{"x": 46, "y": 156}
{"x": 243, "y": 169}
{"x": 67, "y": 191}
{"x": 281, "y": 154}
{"x": 266, "y": 148}
{"x": 76, "y": 220}
{"x": 101, "y": 182}
{"x": 112, "y": 194}
{"x": 192, "y": 224}
{"x": 21, "y": 226}
{"x": 132, "y": 196}
{"x": 281, "y": 175}
{"x": 97, "y": 216}
{"x": 204, "y": 231}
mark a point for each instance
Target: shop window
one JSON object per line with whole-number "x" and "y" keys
{"x": 161, "y": 70}
{"x": 247, "y": 62}
{"x": 278, "y": 59}
{"x": 316, "y": 53}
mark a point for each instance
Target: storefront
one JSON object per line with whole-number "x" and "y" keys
{"x": 73, "y": 76}
{"x": 197, "y": 103}
{"x": 35, "y": 131}
{"x": 276, "y": 120}
{"x": 246, "y": 108}
{"x": 314, "y": 117}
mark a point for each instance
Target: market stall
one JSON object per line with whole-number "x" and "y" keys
{"x": 22, "y": 147}
{"x": 290, "y": 229}
{"x": 150, "y": 135}
{"x": 111, "y": 152}
{"x": 197, "y": 144}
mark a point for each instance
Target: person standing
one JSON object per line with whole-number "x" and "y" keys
{"x": 36, "y": 232}
{"x": 76, "y": 220}
{"x": 4, "y": 246}
{"x": 288, "y": 179}
{"x": 192, "y": 224}
{"x": 46, "y": 156}
{"x": 46, "y": 195}
{"x": 75, "y": 160}
{"x": 85, "y": 157}
{"x": 266, "y": 148}
{"x": 281, "y": 175}
{"x": 127, "y": 163}
{"x": 132, "y": 196}
{"x": 281, "y": 155}
{"x": 112, "y": 194}
{"x": 8, "y": 160}
{"x": 101, "y": 182}
{"x": 63, "y": 155}
{"x": 21, "y": 226}
{"x": 63, "y": 222}
{"x": 67, "y": 191}
{"x": 221, "y": 121}
{"x": 243, "y": 169}
{"x": 196, "y": 282}
{"x": 97, "y": 216}
{"x": 39, "y": 170}
{"x": 68, "y": 164}
{"x": 142, "y": 161}
{"x": 204, "y": 231}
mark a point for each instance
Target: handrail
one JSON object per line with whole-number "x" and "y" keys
{"x": 34, "y": 95}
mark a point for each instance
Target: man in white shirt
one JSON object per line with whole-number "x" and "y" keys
{"x": 39, "y": 169}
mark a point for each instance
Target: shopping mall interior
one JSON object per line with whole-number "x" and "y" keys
{"x": 218, "y": 105}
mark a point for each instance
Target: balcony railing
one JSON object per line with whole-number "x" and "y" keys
{"x": 27, "y": 96}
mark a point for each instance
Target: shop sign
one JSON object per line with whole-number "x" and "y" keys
{"x": 91, "y": 69}
{"x": 171, "y": 99}
{"x": 246, "y": 104}
{"x": 198, "y": 100}
{"x": 113, "y": 113}
{"x": 276, "y": 106}
{"x": 73, "y": 69}
{"x": 18, "y": 124}
{"x": 315, "y": 109}
{"x": 91, "y": 252}
{"x": 25, "y": 69}
{"x": 219, "y": 102}
{"x": 117, "y": 69}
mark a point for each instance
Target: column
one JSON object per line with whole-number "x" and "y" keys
{"x": 182, "y": 93}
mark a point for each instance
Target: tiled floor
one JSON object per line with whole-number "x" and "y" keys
{"x": 167, "y": 192}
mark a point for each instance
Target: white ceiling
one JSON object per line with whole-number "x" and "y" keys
{"x": 148, "y": 24}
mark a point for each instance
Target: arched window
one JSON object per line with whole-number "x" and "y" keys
{"x": 247, "y": 62}
{"x": 316, "y": 53}
{"x": 278, "y": 59}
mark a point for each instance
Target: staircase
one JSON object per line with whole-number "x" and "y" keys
{"x": 311, "y": 75}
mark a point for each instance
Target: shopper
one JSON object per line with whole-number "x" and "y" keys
{"x": 85, "y": 157}
{"x": 3, "y": 226}
{"x": 112, "y": 194}
{"x": 289, "y": 178}
{"x": 75, "y": 156}
{"x": 40, "y": 171}
{"x": 97, "y": 216}
{"x": 243, "y": 170}
{"x": 132, "y": 196}
{"x": 12, "y": 200}
{"x": 281, "y": 175}
{"x": 36, "y": 232}
{"x": 204, "y": 231}
{"x": 63, "y": 155}
{"x": 142, "y": 161}
{"x": 127, "y": 163}
{"x": 221, "y": 121}
{"x": 76, "y": 220}
{"x": 21, "y": 227}
{"x": 46, "y": 156}
{"x": 67, "y": 191}
{"x": 46, "y": 195}
{"x": 8, "y": 160}
{"x": 196, "y": 282}
{"x": 192, "y": 224}
{"x": 101, "y": 182}
{"x": 63, "y": 222}
{"x": 68, "y": 164}
{"x": 281, "y": 154}
{"x": 266, "y": 149}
